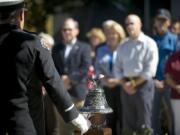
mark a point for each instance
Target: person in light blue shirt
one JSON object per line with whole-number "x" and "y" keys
{"x": 105, "y": 59}
{"x": 167, "y": 45}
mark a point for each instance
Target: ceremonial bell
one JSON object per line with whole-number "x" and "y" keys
{"x": 95, "y": 102}
{"x": 96, "y": 107}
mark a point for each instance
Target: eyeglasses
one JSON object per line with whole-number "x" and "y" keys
{"x": 131, "y": 23}
{"x": 67, "y": 29}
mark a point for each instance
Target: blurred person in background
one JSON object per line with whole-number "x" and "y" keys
{"x": 51, "y": 116}
{"x": 72, "y": 60}
{"x": 28, "y": 57}
{"x": 105, "y": 60}
{"x": 172, "y": 75}
{"x": 96, "y": 37}
{"x": 167, "y": 45}
{"x": 175, "y": 28}
{"x": 105, "y": 27}
{"x": 134, "y": 69}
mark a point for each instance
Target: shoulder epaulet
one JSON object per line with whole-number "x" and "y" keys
{"x": 44, "y": 44}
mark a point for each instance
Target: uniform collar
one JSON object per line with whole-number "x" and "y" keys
{"x": 6, "y": 27}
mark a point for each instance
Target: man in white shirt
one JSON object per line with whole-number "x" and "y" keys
{"x": 134, "y": 69}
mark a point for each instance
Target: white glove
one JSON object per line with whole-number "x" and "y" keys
{"x": 81, "y": 123}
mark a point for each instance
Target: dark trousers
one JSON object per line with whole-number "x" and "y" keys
{"x": 16, "y": 120}
{"x": 137, "y": 109}
{"x": 36, "y": 109}
{"x": 22, "y": 126}
{"x": 113, "y": 120}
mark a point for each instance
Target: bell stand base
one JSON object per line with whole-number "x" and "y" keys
{"x": 101, "y": 131}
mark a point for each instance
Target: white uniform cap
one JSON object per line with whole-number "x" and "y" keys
{"x": 11, "y": 5}
{"x": 4, "y": 3}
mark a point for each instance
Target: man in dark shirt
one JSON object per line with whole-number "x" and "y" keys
{"x": 72, "y": 59}
{"x": 23, "y": 55}
{"x": 167, "y": 45}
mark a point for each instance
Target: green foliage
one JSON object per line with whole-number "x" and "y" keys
{"x": 38, "y": 10}
{"x": 36, "y": 15}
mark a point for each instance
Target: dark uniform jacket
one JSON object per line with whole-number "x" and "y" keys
{"x": 22, "y": 55}
{"x": 75, "y": 66}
